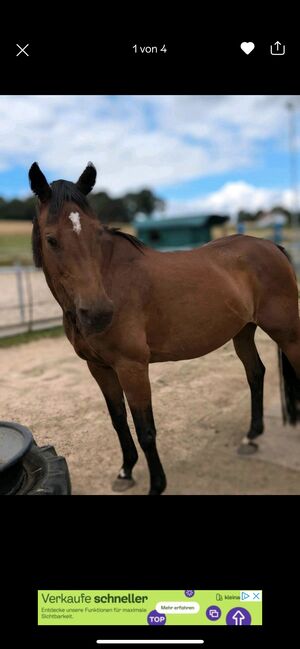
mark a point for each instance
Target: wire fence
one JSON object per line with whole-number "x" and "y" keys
{"x": 26, "y": 303}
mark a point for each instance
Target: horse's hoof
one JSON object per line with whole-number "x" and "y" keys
{"x": 122, "y": 484}
{"x": 247, "y": 447}
{"x": 156, "y": 492}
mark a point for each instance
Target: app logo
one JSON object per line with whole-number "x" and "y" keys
{"x": 189, "y": 593}
{"x": 245, "y": 595}
{"x": 156, "y": 619}
{"x": 213, "y": 613}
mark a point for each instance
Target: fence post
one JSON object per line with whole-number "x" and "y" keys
{"x": 20, "y": 291}
{"x": 277, "y": 233}
{"x": 30, "y": 297}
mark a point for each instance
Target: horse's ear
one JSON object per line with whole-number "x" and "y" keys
{"x": 87, "y": 179}
{"x": 39, "y": 184}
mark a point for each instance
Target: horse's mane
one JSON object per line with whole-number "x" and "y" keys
{"x": 130, "y": 237}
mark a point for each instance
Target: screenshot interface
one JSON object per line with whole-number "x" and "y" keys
{"x": 149, "y": 334}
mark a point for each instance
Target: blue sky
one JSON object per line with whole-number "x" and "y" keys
{"x": 200, "y": 153}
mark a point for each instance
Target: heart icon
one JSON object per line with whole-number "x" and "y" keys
{"x": 247, "y": 47}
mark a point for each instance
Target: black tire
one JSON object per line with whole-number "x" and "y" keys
{"x": 45, "y": 473}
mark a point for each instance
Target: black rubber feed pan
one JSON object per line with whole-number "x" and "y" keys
{"x": 29, "y": 470}
{"x": 15, "y": 441}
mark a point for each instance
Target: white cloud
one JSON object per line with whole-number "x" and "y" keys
{"x": 231, "y": 198}
{"x": 140, "y": 141}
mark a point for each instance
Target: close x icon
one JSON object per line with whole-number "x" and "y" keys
{"x": 22, "y": 49}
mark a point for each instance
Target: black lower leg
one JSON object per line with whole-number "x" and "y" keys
{"x": 119, "y": 421}
{"x": 246, "y": 350}
{"x": 145, "y": 428}
{"x": 256, "y": 383}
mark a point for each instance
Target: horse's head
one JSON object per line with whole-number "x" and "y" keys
{"x": 66, "y": 244}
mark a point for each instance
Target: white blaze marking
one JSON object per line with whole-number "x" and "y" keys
{"x": 75, "y": 218}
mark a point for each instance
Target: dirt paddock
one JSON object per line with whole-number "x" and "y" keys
{"x": 201, "y": 410}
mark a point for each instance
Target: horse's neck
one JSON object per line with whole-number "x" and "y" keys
{"x": 107, "y": 250}
{"x": 122, "y": 252}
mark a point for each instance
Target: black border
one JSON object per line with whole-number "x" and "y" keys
{"x": 168, "y": 542}
{"x": 198, "y": 61}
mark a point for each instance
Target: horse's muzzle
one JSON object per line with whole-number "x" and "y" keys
{"x": 93, "y": 321}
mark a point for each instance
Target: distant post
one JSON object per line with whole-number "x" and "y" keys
{"x": 277, "y": 232}
{"x": 293, "y": 163}
{"x": 20, "y": 292}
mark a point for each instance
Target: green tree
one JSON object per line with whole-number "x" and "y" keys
{"x": 144, "y": 201}
{"x": 245, "y": 216}
{"x": 122, "y": 209}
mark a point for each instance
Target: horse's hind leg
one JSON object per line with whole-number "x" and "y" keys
{"x": 246, "y": 350}
{"x": 288, "y": 340}
{"x": 113, "y": 394}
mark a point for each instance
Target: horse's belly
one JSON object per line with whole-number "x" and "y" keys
{"x": 183, "y": 349}
{"x": 191, "y": 333}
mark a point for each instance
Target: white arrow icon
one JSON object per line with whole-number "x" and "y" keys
{"x": 277, "y": 49}
{"x": 238, "y": 618}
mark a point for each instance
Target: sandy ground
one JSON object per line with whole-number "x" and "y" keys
{"x": 201, "y": 410}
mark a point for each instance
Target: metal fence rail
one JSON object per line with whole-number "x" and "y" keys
{"x": 26, "y": 303}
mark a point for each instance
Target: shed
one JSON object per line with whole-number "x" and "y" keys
{"x": 177, "y": 233}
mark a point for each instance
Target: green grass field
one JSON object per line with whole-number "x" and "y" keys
{"x": 15, "y": 248}
{"x": 30, "y": 336}
{"x": 15, "y": 242}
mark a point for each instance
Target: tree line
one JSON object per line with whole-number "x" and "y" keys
{"x": 244, "y": 216}
{"x": 109, "y": 209}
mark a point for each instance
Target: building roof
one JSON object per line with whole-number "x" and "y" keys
{"x": 178, "y": 222}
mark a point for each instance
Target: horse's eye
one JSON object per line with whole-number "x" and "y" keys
{"x": 53, "y": 243}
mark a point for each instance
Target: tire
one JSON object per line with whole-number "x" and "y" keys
{"x": 44, "y": 473}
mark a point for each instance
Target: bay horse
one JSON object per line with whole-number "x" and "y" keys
{"x": 126, "y": 305}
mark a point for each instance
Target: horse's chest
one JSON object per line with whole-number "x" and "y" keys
{"x": 81, "y": 347}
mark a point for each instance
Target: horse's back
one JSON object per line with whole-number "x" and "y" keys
{"x": 204, "y": 297}
{"x": 234, "y": 255}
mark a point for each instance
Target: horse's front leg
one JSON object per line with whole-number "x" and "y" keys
{"x": 113, "y": 394}
{"x": 134, "y": 380}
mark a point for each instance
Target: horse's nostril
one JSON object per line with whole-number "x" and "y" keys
{"x": 84, "y": 314}
{"x": 95, "y": 319}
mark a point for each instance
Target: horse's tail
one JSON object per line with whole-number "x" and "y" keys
{"x": 289, "y": 383}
